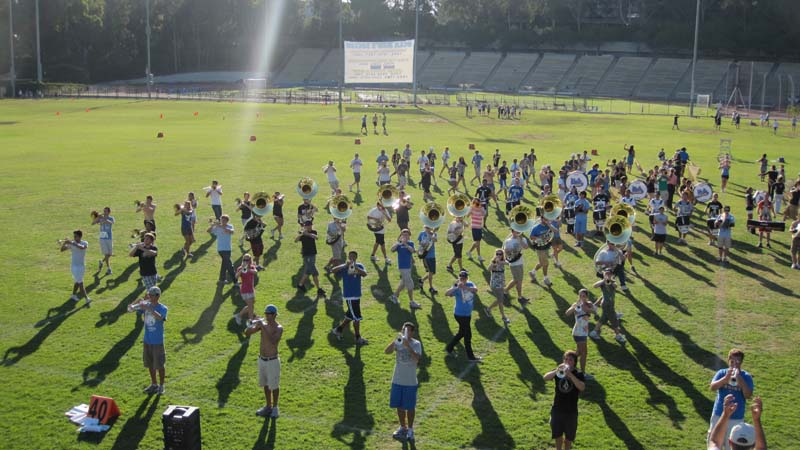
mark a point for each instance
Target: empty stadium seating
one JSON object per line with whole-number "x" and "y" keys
{"x": 622, "y": 79}
{"x": 300, "y": 65}
{"x": 440, "y": 68}
{"x": 583, "y": 78}
{"x": 662, "y": 78}
{"x": 511, "y": 72}
{"x": 329, "y": 71}
{"x": 708, "y": 79}
{"x": 549, "y": 72}
{"x": 475, "y": 69}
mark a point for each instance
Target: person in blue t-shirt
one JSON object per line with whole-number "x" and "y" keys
{"x": 736, "y": 382}
{"x": 476, "y": 163}
{"x": 582, "y": 208}
{"x": 153, "y": 354}
{"x": 351, "y": 271}
{"x": 405, "y": 253}
{"x": 427, "y": 243}
{"x": 515, "y": 193}
{"x": 464, "y": 293}
{"x": 223, "y": 232}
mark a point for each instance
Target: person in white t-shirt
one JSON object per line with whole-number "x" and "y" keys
{"x": 403, "y": 396}
{"x": 356, "y": 164}
{"x": 78, "y": 248}
{"x": 330, "y": 171}
{"x": 215, "y": 192}
{"x": 376, "y": 219}
{"x": 106, "y": 222}
{"x": 445, "y": 160}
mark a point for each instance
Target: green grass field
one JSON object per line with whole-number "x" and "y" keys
{"x": 682, "y": 314}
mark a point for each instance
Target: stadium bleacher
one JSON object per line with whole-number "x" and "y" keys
{"x": 300, "y": 66}
{"x": 779, "y": 84}
{"x": 622, "y": 79}
{"x": 329, "y": 71}
{"x": 548, "y": 73}
{"x": 475, "y": 69}
{"x": 512, "y": 71}
{"x": 661, "y": 79}
{"x": 438, "y": 70}
{"x": 588, "y": 71}
{"x": 708, "y": 79}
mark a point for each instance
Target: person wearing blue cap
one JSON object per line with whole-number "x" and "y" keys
{"x": 269, "y": 365}
{"x": 464, "y": 293}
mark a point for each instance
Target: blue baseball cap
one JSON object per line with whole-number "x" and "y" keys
{"x": 271, "y": 309}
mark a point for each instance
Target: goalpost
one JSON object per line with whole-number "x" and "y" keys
{"x": 703, "y": 100}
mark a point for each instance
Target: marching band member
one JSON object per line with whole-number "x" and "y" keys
{"x": 582, "y": 208}
{"x": 497, "y": 283}
{"x": 356, "y": 164}
{"x": 375, "y": 220}
{"x": 335, "y": 238}
{"x": 425, "y": 182}
{"x": 765, "y": 213}
{"x": 484, "y": 194}
{"x": 582, "y": 310}
{"x": 106, "y": 222}
{"x": 352, "y": 272}
{"x": 224, "y": 232}
{"x": 215, "y": 192}
{"x": 277, "y": 214}
{"x": 405, "y": 252}
{"x": 455, "y": 236}
{"x": 515, "y": 194}
{"x": 427, "y": 253}
{"x": 608, "y": 287}
{"x": 684, "y": 210}
{"x": 569, "y": 383}
{"x": 252, "y": 233}
{"x": 77, "y": 247}
{"x": 795, "y": 248}
{"x": 384, "y": 176}
{"x": 404, "y": 205}
{"x": 148, "y": 209}
{"x": 452, "y": 173}
{"x": 488, "y": 178}
{"x": 330, "y": 171}
{"x": 247, "y": 274}
{"x": 269, "y": 364}
{"x": 187, "y": 226}
{"x": 557, "y": 244}
{"x": 541, "y": 246}
{"x": 569, "y": 204}
{"x": 713, "y": 210}
{"x": 725, "y": 171}
{"x": 653, "y": 207}
{"x": 305, "y": 212}
{"x": 445, "y": 160}
{"x": 794, "y": 200}
{"x": 514, "y": 248}
{"x": 724, "y": 223}
{"x": 308, "y": 241}
{"x": 660, "y": 221}
{"x": 190, "y": 196}
{"x": 246, "y": 208}
{"x": 146, "y": 252}
{"x": 464, "y": 293}
{"x": 601, "y": 204}
{"x": 612, "y": 258}
{"x": 477, "y": 215}
{"x": 153, "y": 354}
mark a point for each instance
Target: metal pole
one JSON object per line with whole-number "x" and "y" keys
{"x": 11, "y": 42}
{"x": 341, "y": 46}
{"x": 416, "y": 39}
{"x": 780, "y": 91}
{"x": 148, "y": 75}
{"x": 694, "y": 58}
{"x": 763, "y": 89}
{"x": 750, "y": 93}
{"x": 38, "y": 48}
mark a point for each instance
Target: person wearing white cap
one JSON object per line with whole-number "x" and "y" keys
{"x": 153, "y": 354}
{"x": 742, "y": 436}
{"x": 269, "y": 365}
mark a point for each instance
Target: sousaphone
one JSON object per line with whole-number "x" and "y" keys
{"x": 458, "y": 205}
{"x": 551, "y": 207}
{"x": 618, "y": 230}
{"x": 339, "y": 207}
{"x": 432, "y": 215}
{"x": 522, "y": 219}
{"x": 387, "y": 194}
{"x": 625, "y": 210}
{"x": 262, "y": 204}
{"x": 307, "y": 188}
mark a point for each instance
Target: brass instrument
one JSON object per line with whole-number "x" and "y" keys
{"x": 425, "y": 243}
{"x": 137, "y": 203}
{"x": 262, "y": 204}
{"x": 624, "y": 210}
{"x": 521, "y": 218}
{"x": 541, "y": 233}
{"x": 61, "y": 242}
{"x": 178, "y": 208}
{"x": 237, "y": 201}
{"x": 602, "y": 262}
{"x": 339, "y": 207}
{"x": 618, "y": 230}
{"x": 512, "y": 248}
{"x": 405, "y": 201}
{"x": 458, "y": 205}
{"x": 387, "y": 194}
{"x": 551, "y": 207}
{"x": 432, "y": 215}
{"x": 94, "y": 215}
{"x": 307, "y": 188}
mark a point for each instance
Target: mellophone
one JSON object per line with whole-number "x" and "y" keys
{"x": 766, "y": 225}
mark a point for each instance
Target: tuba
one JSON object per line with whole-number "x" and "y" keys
{"x": 512, "y": 248}
{"x": 339, "y": 207}
{"x": 603, "y": 260}
{"x": 541, "y": 233}
{"x": 550, "y": 206}
{"x": 262, "y": 204}
{"x": 618, "y": 230}
{"x": 307, "y": 188}
{"x": 387, "y": 194}
{"x": 458, "y": 205}
{"x": 624, "y": 210}
{"x": 432, "y": 215}
{"x": 521, "y": 218}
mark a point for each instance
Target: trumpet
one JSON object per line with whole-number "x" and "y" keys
{"x": 94, "y": 215}
{"x": 432, "y": 215}
{"x": 458, "y": 205}
{"x": 339, "y": 207}
{"x": 624, "y": 210}
{"x": 138, "y": 306}
{"x": 618, "y": 230}
{"x": 307, "y": 188}
{"x": 209, "y": 188}
{"x": 213, "y": 221}
{"x": 137, "y": 203}
{"x": 551, "y": 207}
{"x": 404, "y": 201}
{"x": 262, "y": 204}
{"x": 387, "y": 194}
{"x": 521, "y": 218}
{"x": 61, "y": 242}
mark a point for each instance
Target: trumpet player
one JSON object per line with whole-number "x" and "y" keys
{"x": 569, "y": 383}
{"x": 607, "y": 286}
{"x": 246, "y": 207}
{"x": 330, "y": 172}
{"x": 455, "y": 236}
{"x": 427, "y": 252}
{"x": 106, "y": 222}
{"x": 405, "y": 252}
{"x": 215, "y": 193}
{"x": 148, "y": 209}
{"x": 375, "y": 220}
{"x": 497, "y": 283}
{"x": 352, "y": 272}
{"x": 186, "y": 211}
{"x": 223, "y": 231}
{"x": 247, "y": 274}
{"x": 404, "y": 205}
{"x": 146, "y": 252}
{"x": 77, "y": 247}
{"x": 153, "y": 354}
{"x": 277, "y": 214}
{"x": 308, "y": 242}
{"x": 724, "y": 223}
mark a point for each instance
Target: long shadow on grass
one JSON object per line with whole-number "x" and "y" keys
{"x": 205, "y": 322}
{"x": 680, "y": 260}
{"x": 202, "y": 250}
{"x": 357, "y": 420}
{"x": 110, "y": 317}
{"x": 527, "y": 372}
{"x": 272, "y": 253}
{"x": 123, "y": 277}
{"x": 136, "y": 426}
{"x": 14, "y": 354}
{"x": 493, "y": 432}
{"x": 229, "y": 381}
{"x": 302, "y": 340}
{"x": 596, "y": 393}
{"x": 540, "y": 337}
{"x": 382, "y": 291}
{"x": 266, "y": 437}
{"x": 96, "y": 373}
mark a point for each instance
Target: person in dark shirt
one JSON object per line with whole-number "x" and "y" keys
{"x": 564, "y": 412}
{"x": 308, "y": 242}
{"x": 147, "y": 252}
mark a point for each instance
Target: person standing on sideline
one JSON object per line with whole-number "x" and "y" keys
{"x": 743, "y": 436}
{"x": 146, "y": 252}
{"x": 148, "y": 209}
{"x": 733, "y": 381}
{"x": 405, "y": 260}
{"x": 564, "y": 412}
{"x": 308, "y": 250}
{"x": 153, "y": 354}
{"x": 464, "y": 292}
{"x": 223, "y": 232}
{"x": 403, "y": 396}
{"x": 215, "y": 192}
{"x": 78, "y": 247}
{"x": 356, "y": 164}
{"x": 675, "y": 123}
{"x": 269, "y": 365}
{"x": 352, "y": 272}
{"x": 106, "y": 222}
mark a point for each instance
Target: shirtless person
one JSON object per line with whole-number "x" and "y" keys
{"x": 269, "y": 365}
{"x": 148, "y": 208}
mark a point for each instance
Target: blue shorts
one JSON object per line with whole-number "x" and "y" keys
{"x": 580, "y": 224}
{"x": 579, "y": 338}
{"x": 403, "y": 397}
{"x": 477, "y": 234}
{"x": 430, "y": 265}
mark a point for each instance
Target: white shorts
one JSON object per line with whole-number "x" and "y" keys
{"x": 724, "y": 242}
{"x": 248, "y": 295}
{"x": 107, "y": 247}
{"x": 269, "y": 373}
{"x": 77, "y": 273}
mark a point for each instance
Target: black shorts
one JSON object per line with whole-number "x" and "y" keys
{"x": 353, "y": 310}
{"x": 430, "y": 265}
{"x": 564, "y": 424}
{"x": 151, "y": 223}
{"x": 458, "y": 249}
{"x": 660, "y": 237}
{"x": 477, "y": 234}
{"x": 357, "y": 176}
{"x": 379, "y": 238}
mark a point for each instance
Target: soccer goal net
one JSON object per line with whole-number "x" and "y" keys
{"x": 703, "y": 100}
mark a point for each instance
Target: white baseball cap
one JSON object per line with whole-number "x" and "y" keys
{"x": 743, "y": 434}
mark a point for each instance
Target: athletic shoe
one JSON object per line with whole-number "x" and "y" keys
{"x": 394, "y": 299}
{"x": 532, "y": 273}
{"x": 476, "y": 360}
{"x": 588, "y": 376}
{"x": 480, "y": 258}
{"x": 259, "y": 267}
{"x": 264, "y": 411}
{"x": 152, "y": 389}
{"x": 238, "y": 319}
{"x": 579, "y": 244}
{"x": 523, "y": 301}
{"x": 469, "y": 255}
{"x": 400, "y": 434}
{"x": 547, "y": 282}
{"x": 88, "y": 300}
{"x": 361, "y": 341}
{"x": 337, "y": 333}
{"x": 74, "y": 298}
{"x": 558, "y": 265}
{"x": 280, "y": 236}
{"x": 109, "y": 272}
{"x": 623, "y": 287}
{"x": 593, "y": 334}
{"x": 760, "y": 246}
{"x": 768, "y": 245}
{"x": 410, "y": 435}
{"x": 414, "y": 305}
{"x": 433, "y": 291}
{"x": 506, "y": 320}
{"x": 373, "y": 258}
{"x": 620, "y": 338}
{"x": 274, "y": 414}
{"x": 100, "y": 265}
{"x": 450, "y": 269}
{"x": 388, "y": 261}
{"x": 161, "y": 389}
{"x": 190, "y": 255}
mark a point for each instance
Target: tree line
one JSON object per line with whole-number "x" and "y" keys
{"x": 99, "y": 40}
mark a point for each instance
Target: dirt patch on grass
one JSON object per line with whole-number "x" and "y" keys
{"x": 433, "y": 120}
